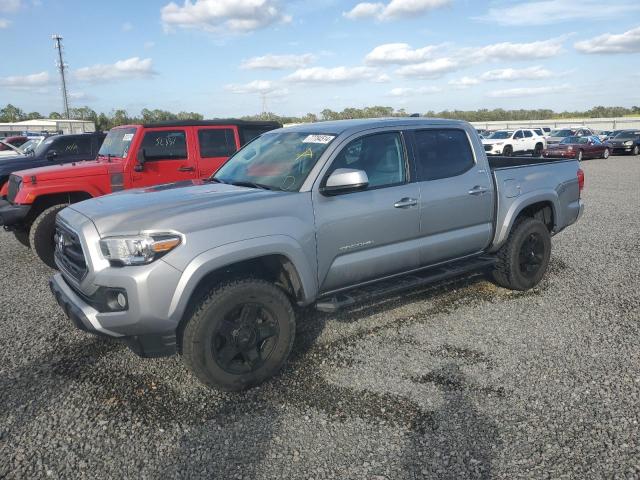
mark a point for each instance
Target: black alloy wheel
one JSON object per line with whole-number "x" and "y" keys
{"x": 245, "y": 339}
{"x": 531, "y": 256}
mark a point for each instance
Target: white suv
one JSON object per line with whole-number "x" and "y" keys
{"x": 508, "y": 142}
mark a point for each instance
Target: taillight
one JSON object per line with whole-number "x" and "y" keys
{"x": 580, "y": 179}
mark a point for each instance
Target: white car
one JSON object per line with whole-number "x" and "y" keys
{"x": 509, "y": 142}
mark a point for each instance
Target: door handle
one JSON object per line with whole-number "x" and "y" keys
{"x": 478, "y": 190}
{"x": 186, "y": 169}
{"x": 405, "y": 203}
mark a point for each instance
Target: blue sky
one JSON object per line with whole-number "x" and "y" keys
{"x": 221, "y": 57}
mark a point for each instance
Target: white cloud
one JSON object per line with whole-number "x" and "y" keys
{"x": 517, "y": 51}
{"x": 4, "y": 23}
{"x": 398, "y": 53}
{"x": 26, "y": 82}
{"x": 510, "y": 74}
{"x": 408, "y": 91}
{"x": 545, "y": 12}
{"x": 262, "y": 87}
{"x": 528, "y": 91}
{"x": 277, "y": 62}
{"x": 134, "y": 67}
{"x": 10, "y": 6}
{"x": 333, "y": 75}
{"x": 223, "y": 15}
{"x": 464, "y": 82}
{"x": 127, "y": 27}
{"x": 431, "y": 69}
{"x": 81, "y": 96}
{"x": 364, "y": 10}
{"x": 149, "y": 44}
{"x": 627, "y": 42}
{"x": 394, "y": 9}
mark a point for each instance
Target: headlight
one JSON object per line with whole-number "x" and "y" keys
{"x": 139, "y": 249}
{"x": 629, "y": 142}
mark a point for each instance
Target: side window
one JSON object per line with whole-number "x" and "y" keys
{"x": 442, "y": 153}
{"x": 164, "y": 145}
{"x": 72, "y": 145}
{"x": 518, "y": 134}
{"x": 380, "y": 155}
{"x": 528, "y": 133}
{"x": 249, "y": 133}
{"x": 216, "y": 142}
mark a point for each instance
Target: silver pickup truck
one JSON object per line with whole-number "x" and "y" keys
{"x": 325, "y": 214}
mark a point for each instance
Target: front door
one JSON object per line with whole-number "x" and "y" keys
{"x": 456, "y": 196}
{"x": 167, "y": 157}
{"x": 368, "y": 234}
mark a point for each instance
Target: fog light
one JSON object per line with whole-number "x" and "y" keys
{"x": 122, "y": 300}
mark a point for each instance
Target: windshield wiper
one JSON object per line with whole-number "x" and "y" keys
{"x": 262, "y": 186}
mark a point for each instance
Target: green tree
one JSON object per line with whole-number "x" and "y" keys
{"x": 11, "y": 114}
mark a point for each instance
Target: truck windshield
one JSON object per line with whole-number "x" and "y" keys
{"x": 501, "y": 134}
{"x": 561, "y": 133}
{"x": 276, "y": 161}
{"x": 117, "y": 142}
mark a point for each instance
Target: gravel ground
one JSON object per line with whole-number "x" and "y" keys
{"x": 455, "y": 381}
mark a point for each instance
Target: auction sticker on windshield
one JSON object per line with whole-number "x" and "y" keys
{"x": 127, "y": 137}
{"x": 318, "y": 139}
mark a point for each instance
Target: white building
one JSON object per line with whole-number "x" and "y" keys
{"x": 47, "y": 125}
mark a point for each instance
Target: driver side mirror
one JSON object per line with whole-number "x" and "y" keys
{"x": 345, "y": 180}
{"x": 51, "y": 155}
{"x": 141, "y": 159}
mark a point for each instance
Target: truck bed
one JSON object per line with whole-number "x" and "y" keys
{"x": 497, "y": 162}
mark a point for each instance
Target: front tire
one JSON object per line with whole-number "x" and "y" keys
{"x": 636, "y": 150}
{"x": 579, "y": 155}
{"x": 523, "y": 259}
{"x": 508, "y": 151}
{"x": 42, "y": 232}
{"x": 240, "y": 335}
{"x": 605, "y": 154}
{"x": 22, "y": 236}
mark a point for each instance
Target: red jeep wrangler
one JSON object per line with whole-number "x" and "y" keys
{"x": 131, "y": 156}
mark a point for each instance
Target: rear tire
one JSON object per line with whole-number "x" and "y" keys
{"x": 22, "y": 236}
{"x": 240, "y": 335}
{"x": 508, "y": 151}
{"x": 537, "y": 152}
{"x": 42, "y": 232}
{"x": 523, "y": 259}
{"x": 605, "y": 154}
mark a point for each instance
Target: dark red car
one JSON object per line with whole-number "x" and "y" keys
{"x": 16, "y": 141}
{"x": 578, "y": 148}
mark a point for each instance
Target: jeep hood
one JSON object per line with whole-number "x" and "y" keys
{"x": 71, "y": 170}
{"x": 183, "y": 206}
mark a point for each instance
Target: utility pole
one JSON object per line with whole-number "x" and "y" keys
{"x": 263, "y": 95}
{"x": 61, "y": 67}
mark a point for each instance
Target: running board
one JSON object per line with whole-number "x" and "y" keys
{"x": 406, "y": 282}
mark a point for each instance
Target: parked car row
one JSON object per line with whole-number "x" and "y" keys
{"x": 580, "y": 142}
{"x": 199, "y": 238}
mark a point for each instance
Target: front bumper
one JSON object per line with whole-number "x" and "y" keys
{"x": 111, "y": 324}
{"x": 559, "y": 154}
{"x": 11, "y": 214}
{"x": 624, "y": 149}
{"x": 495, "y": 150}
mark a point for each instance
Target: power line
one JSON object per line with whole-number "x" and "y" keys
{"x": 61, "y": 67}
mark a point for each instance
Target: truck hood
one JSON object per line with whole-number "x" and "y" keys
{"x": 182, "y": 206}
{"x": 15, "y": 162}
{"x": 72, "y": 170}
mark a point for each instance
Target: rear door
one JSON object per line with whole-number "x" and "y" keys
{"x": 456, "y": 195}
{"x": 368, "y": 234}
{"x": 167, "y": 157}
{"x": 518, "y": 141}
{"x": 529, "y": 140}
{"x": 214, "y": 145}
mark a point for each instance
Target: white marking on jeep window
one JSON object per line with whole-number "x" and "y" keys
{"x": 318, "y": 139}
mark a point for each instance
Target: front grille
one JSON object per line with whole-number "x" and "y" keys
{"x": 69, "y": 252}
{"x": 488, "y": 147}
{"x": 14, "y": 186}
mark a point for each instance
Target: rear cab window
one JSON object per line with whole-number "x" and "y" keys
{"x": 442, "y": 153}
